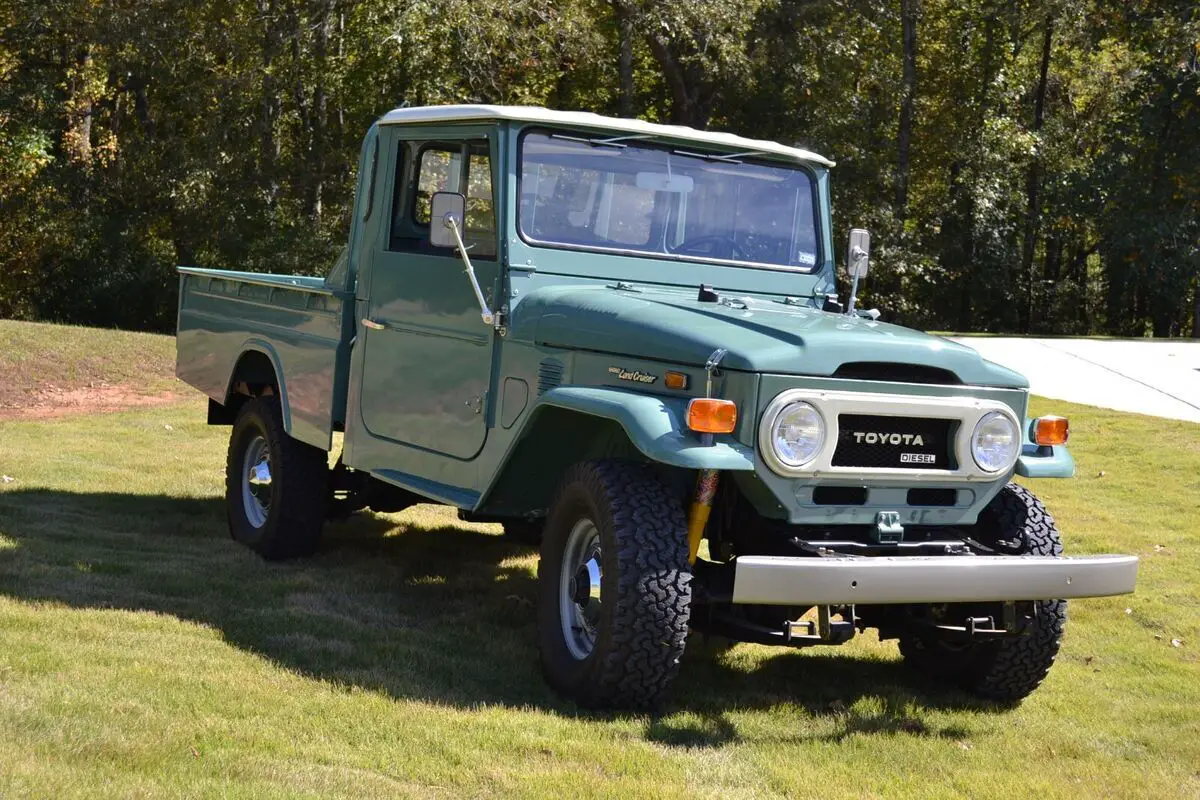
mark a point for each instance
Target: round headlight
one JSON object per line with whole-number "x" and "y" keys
{"x": 995, "y": 442}
{"x": 797, "y": 434}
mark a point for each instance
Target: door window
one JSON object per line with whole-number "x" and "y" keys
{"x": 439, "y": 167}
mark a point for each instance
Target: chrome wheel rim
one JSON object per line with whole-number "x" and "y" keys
{"x": 579, "y": 589}
{"x": 256, "y": 482}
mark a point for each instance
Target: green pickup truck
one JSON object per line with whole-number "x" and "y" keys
{"x": 623, "y": 341}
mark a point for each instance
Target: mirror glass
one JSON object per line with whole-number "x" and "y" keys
{"x": 662, "y": 182}
{"x": 858, "y": 254}
{"x": 441, "y": 206}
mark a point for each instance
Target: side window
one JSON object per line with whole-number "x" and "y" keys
{"x": 444, "y": 167}
{"x": 440, "y": 171}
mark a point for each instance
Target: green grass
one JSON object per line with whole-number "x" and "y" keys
{"x": 40, "y": 360}
{"x": 143, "y": 653}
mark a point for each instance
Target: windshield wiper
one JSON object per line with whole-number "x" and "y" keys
{"x": 729, "y": 158}
{"x": 614, "y": 141}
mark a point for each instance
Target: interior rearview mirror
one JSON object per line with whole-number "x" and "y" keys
{"x": 663, "y": 182}
{"x": 858, "y": 254}
{"x": 444, "y": 207}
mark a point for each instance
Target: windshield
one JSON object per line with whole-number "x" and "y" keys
{"x": 621, "y": 194}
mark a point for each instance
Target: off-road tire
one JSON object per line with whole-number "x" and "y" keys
{"x": 524, "y": 531}
{"x": 299, "y": 485}
{"x": 645, "y": 587}
{"x": 1002, "y": 670}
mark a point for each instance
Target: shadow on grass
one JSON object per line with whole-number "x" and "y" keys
{"x": 444, "y": 615}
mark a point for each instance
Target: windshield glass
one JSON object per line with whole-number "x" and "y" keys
{"x": 630, "y": 196}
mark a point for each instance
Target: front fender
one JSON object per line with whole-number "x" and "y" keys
{"x": 655, "y": 426}
{"x": 1043, "y": 461}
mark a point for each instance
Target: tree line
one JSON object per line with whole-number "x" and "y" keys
{"x": 1023, "y": 166}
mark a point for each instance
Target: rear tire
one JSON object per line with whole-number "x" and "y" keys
{"x": 614, "y": 591}
{"x": 276, "y": 487}
{"x": 1002, "y": 670}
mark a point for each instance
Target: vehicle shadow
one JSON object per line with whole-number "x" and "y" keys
{"x": 442, "y": 612}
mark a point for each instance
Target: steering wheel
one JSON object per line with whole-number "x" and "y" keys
{"x": 731, "y": 247}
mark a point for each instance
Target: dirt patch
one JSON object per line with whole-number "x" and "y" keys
{"x": 48, "y": 402}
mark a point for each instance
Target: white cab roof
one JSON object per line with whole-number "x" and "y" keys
{"x": 586, "y": 119}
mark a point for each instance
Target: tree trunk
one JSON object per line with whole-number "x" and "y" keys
{"x": 909, "y": 11}
{"x": 269, "y": 104}
{"x": 1033, "y": 183}
{"x": 317, "y": 117}
{"x": 79, "y": 106}
{"x": 691, "y": 96}
{"x": 625, "y": 60}
{"x": 1196, "y": 311}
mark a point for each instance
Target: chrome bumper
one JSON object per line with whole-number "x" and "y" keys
{"x": 778, "y": 580}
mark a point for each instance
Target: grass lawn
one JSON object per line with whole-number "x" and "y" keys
{"x": 143, "y": 653}
{"x": 46, "y": 369}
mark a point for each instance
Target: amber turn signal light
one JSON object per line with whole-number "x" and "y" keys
{"x": 1051, "y": 430}
{"x": 676, "y": 380}
{"x": 709, "y": 415}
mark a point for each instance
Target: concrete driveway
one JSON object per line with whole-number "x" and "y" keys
{"x": 1156, "y": 377}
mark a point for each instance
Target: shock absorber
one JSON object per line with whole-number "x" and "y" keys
{"x": 701, "y": 507}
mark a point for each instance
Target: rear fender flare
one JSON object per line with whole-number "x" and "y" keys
{"x": 266, "y": 350}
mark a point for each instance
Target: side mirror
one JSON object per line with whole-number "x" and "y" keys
{"x": 858, "y": 255}
{"x": 443, "y": 207}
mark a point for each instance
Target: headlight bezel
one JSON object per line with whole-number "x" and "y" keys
{"x": 766, "y": 434}
{"x": 1015, "y": 436}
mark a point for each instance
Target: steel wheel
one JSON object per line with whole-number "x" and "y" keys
{"x": 579, "y": 589}
{"x": 256, "y": 482}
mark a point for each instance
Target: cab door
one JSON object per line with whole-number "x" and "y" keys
{"x": 427, "y": 359}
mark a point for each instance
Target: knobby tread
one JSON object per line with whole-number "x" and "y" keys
{"x": 300, "y": 485}
{"x": 1010, "y": 669}
{"x": 645, "y": 625}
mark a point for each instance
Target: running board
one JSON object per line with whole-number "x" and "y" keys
{"x": 781, "y": 580}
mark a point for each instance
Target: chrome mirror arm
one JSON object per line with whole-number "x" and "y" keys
{"x": 484, "y": 312}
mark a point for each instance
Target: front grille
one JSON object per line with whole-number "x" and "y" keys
{"x": 875, "y": 442}
{"x": 893, "y": 372}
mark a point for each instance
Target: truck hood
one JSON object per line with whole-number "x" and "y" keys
{"x": 760, "y": 335}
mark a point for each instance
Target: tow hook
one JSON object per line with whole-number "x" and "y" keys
{"x": 888, "y": 529}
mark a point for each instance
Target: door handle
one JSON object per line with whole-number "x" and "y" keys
{"x": 373, "y": 325}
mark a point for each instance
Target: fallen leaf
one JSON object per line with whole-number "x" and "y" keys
{"x": 195, "y": 753}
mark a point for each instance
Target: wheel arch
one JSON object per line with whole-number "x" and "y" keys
{"x": 572, "y": 424}
{"x": 256, "y": 372}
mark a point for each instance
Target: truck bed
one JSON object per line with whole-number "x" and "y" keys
{"x": 298, "y": 323}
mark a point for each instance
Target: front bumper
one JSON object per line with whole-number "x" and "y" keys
{"x": 780, "y": 580}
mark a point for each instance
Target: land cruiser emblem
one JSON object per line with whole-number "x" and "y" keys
{"x": 864, "y": 437}
{"x": 632, "y": 375}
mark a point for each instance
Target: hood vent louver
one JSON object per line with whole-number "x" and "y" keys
{"x": 896, "y": 373}
{"x": 550, "y": 374}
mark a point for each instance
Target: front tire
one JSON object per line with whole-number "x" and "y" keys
{"x": 1002, "y": 670}
{"x": 614, "y": 586}
{"x": 276, "y": 487}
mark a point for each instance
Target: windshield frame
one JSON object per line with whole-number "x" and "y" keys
{"x": 691, "y": 150}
